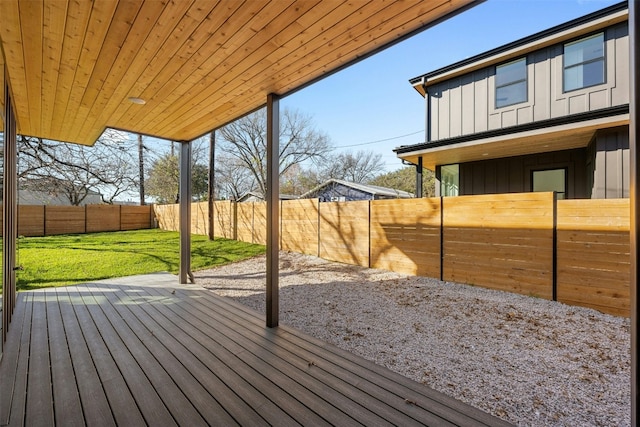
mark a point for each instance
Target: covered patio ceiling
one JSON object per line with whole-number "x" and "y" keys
{"x": 189, "y": 66}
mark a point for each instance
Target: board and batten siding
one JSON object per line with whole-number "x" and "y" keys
{"x": 466, "y": 105}
{"x": 513, "y": 174}
{"x": 608, "y": 164}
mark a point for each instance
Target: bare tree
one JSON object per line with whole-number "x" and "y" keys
{"x": 246, "y": 140}
{"x": 233, "y": 179}
{"x": 359, "y": 167}
{"x": 75, "y": 171}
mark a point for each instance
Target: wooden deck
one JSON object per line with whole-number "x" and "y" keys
{"x": 146, "y": 351}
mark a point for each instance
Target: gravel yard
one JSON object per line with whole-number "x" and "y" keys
{"x": 529, "y": 361}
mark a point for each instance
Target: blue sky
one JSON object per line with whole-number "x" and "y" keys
{"x": 373, "y": 100}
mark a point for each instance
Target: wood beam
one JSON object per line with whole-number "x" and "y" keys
{"x": 273, "y": 212}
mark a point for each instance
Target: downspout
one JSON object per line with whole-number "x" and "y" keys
{"x": 428, "y": 134}
{"x": 419, "y": 167}
{"x": 427, "y": 98}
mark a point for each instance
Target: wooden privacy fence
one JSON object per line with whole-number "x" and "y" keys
{"x": 573, "y": 251}
{"x": 41, "y": 220}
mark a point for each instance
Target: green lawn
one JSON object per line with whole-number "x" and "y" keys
{"x": 69, "y": 259}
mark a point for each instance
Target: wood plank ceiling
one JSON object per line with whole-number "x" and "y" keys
{"x": 73, "y": 66}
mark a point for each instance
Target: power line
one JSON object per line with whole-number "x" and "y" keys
{"x": 380, "y": 140}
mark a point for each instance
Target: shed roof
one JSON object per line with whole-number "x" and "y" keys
{"x": 76, "y": 68}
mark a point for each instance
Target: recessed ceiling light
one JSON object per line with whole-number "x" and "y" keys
{"x": 485, "y": 154}
{"x": 138, "y": 101}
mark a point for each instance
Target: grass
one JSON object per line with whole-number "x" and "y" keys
{"x": 70, "y": 259}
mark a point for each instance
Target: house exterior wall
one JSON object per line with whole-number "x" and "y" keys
{"x": 341, "y": 193}
{"x": 608, "y": 164}
{"x": 513, "y": 174}
{"x": 466, "y": 105}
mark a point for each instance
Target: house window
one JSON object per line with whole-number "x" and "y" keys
{"x": 511, "y": 83}
{"x": 550, "y": 180}
{"x": 584, "y": 62}
{"x": 449, "y": 180}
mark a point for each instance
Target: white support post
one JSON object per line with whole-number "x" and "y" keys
{"x": 273, "y": 211}
{"x": 185, "y": 212}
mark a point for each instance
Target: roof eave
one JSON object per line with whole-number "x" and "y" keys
{"x": 604, "y": 17}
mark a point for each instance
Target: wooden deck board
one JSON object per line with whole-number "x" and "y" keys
{"x": 235, "y": 357}
{"x": 371, "y": 384}
{"x": 205, "y": 366}
{"x": 338, "y": 388}
{"x": 66, "y": 399}
{"x": 277, "y": 372}
{"x": 39, "y": 409}
{"x": 145, "y": 394}
{"x": 164, "y": 350}
{"x": 123, "y": 406}
{"x": 178, "y": 405}
{"x": 94, "y": 401}
{"x": 14, "y": 366}
{"x": 146, "y": 351}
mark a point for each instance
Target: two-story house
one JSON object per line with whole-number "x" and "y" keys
{"x": 549, "y": 112}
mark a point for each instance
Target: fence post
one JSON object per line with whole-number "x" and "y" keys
{"x": 85, "y": 219}
{"x": 234, "y": 223}
{"x": 44, "y": 220}
{"x": 319, "y": 219}
{"x": 280, "y": 235}
{"x": 369, "y": 235}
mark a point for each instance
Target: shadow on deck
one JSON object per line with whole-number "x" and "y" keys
{"x": 145, "y": 351}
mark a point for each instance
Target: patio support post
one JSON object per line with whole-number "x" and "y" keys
{"x": 10, "y": 215}
{"x": 211, "y": 183}
{"x": 634, "y": 131}
{"x": 273, "y": 212}
{"x": 185, "y": 212}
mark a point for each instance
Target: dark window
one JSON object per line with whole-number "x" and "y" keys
{"x": 511, "y": 83}
{"x": 584, "y": 62}
{"x": 450, "y": 180}
{"x": 550, "y": 180}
